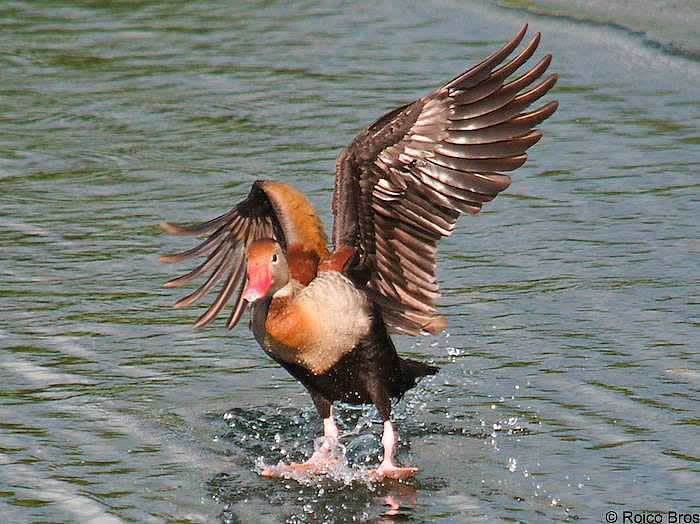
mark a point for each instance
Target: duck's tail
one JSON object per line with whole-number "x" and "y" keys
{"x": 411, "y": 373}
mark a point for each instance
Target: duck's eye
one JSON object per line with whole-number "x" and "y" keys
{"x": 274, "y": 258}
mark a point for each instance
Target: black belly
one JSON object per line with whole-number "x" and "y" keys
{"x": 355, "y": 376}
{"x": 368, "y": 374}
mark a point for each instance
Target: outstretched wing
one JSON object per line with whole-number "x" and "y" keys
{"x": 402, "y": 183}
{"x": 271, "y": 210}
{"x": 226, "y": 243}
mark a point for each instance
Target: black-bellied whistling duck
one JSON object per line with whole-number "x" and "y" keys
{"x": 400, "y": 186}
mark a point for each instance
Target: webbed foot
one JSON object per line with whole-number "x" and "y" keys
{"x": 391, "y": 471}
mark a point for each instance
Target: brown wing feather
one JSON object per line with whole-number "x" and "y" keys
{"x": 402, "y": 183}
{"x": 228, "y": 237}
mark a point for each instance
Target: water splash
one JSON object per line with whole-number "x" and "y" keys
{"x": 328, "y": 463}
{"x": 274, "y": 441}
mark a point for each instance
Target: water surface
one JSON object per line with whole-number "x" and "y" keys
{"x": 569, "y": 373}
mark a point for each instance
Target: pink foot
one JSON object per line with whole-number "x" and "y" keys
{"x": 307, "y": 469}
{"x": 322, "y": 461}
{"x": 392, "y": 472}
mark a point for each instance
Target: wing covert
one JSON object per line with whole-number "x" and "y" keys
{"x": 403, "y": 182}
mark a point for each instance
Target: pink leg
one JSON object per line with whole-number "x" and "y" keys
{"x": 321, "y": 460}
{"x": 387, "y": 468}
{"x": 325, "y": 445}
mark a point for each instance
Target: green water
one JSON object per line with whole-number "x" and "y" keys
{"x": 570, "y": 371}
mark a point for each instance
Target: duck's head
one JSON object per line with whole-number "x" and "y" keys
{"x": 268, "y": 271}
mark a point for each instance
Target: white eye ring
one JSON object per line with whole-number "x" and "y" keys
{"x": 274, "y": 258}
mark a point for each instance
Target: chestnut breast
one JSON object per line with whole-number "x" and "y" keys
{"x": 320, "y": 324}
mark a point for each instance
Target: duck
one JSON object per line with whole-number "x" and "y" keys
{"x": 326, "y": 314}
